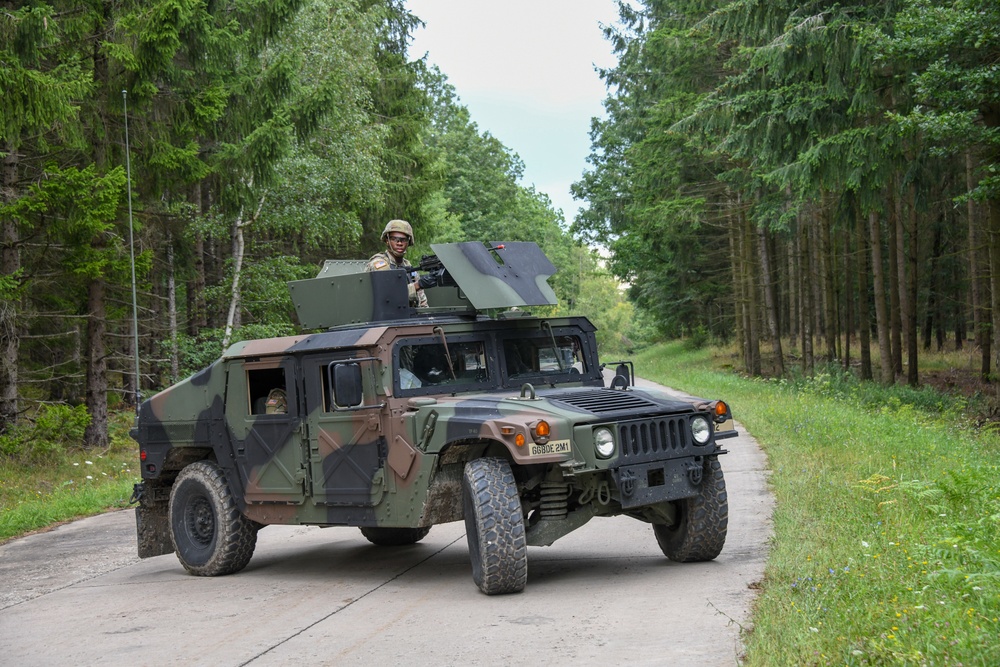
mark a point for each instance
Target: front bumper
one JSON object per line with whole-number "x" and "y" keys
{"x": 656, "y": 482}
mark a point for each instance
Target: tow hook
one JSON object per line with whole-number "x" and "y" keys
{"x": 696, "y": 472}
{"x": 138, "y": 490}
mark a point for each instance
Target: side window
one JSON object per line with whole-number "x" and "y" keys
{"x": 345, "y": 381}
{"x": 267, "y": 391}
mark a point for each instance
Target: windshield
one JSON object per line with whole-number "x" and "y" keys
{"x": 430, "y": 363}
{"x": 550, "y": 358}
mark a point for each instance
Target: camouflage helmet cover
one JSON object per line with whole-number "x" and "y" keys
{"x": 401, "y": 226}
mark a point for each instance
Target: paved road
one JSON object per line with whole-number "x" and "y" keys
{"x": 77, "y": 595}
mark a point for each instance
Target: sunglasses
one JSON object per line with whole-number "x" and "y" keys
{"x": 398, "y": 239}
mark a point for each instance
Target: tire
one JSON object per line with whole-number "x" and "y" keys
{"x": 494, "y": 527}
{"x": 394, "y": 537}
{"x": 702, "y": 521}
{"x": 210, "y": 535}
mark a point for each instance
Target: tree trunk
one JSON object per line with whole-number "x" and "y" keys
{"x": 753, "y": 306}
{"x": 233, "y": 318}
{"x": 848, "y": 300}
{"x": 895, "y": 313}
{"x": 738, "y": 302}
{"x": 197, "y": 317}
{"x": 933, "y": 321}
{"x": 881, "y": 316}
{"x": 864, "y": 315}
{"x": 993, "y": 238}
{"x": 10, "y": 264}
{"x": 172, "y": 310}
{"x": 807, "y": 297}
{"x": 770, "y": 300}
{"x": 827, "y": 262}
{"x": 96, "y": 435}
{"x": 908, "y": 281}
{"x": 981, "y": 323}
{"x": 794, "y": 286}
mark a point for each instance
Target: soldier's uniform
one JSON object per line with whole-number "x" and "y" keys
{"x": 384, "y": 261}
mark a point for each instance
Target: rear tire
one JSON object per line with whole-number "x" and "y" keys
{"x": 702, "y": 521}
{"x": 394, "y": 537}
{"x": 494, "y": 526}
{"x": 210, "y": 535}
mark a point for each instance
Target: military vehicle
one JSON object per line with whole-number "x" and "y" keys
{"x": 393, "y": 419}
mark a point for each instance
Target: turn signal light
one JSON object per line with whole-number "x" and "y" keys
{"x": 142, "y": 454}
{"x": 519, "y": 440}
{"x": 721, "y": 410}
{"x": 540, "y": 432}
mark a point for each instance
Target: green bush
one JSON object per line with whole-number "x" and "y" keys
{"x": 53, "y": 429}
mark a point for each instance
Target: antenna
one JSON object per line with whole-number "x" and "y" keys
{"x": 131, "y": 249}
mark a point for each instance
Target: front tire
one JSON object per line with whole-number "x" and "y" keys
{"x": 702, "y": 521}
{"x": 394, "y": 537}
{"x": 494, "y": 526}
{"x": 211, "y": 536}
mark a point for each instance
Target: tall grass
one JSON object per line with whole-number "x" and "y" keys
{"x": 39, "y": 488}
{"x": 886, "y": 548}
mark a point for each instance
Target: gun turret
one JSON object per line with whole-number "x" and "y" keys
{"x": 465, "y": 278}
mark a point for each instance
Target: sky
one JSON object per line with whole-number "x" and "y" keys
{"x": 525, "y": 70}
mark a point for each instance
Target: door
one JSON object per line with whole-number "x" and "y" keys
{"x": 347, "y": 448}
{"x": 262, "y": 414}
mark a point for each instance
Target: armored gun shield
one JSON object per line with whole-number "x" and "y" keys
{"x": 482, "y": 277}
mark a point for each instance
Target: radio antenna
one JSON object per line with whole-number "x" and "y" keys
{"x": 131, "y": 248}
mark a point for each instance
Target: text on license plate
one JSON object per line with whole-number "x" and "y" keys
{"x": 550, "y": 447}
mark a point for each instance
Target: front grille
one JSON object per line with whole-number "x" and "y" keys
{"x": 602, "y": 401}
{"x": 664, "y": 437}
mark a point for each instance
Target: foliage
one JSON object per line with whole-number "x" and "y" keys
{"x": 71, "y": 482}
{"x": 51, "y": 432}
{"x": 885, "y": 546}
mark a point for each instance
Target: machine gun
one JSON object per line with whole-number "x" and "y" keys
{"x": 435, "y": 275}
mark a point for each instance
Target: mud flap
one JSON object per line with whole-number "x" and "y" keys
{"x": 153, "y": 531}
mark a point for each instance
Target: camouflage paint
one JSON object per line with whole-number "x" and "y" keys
{"x": 396, "y": 459}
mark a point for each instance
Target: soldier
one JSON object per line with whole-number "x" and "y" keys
{"x": 398, "y": 236}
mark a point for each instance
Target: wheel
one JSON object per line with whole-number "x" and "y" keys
{"x": 494, "y": 526}
{"x": 394, "y": 537}
{"x": 702, "y": 521}
{"x": 210, "y": 535}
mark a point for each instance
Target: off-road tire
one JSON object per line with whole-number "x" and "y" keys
{"x": 494, "y": 527}
{"x": 210, "y": 535}
{"x": 394, "y": 537}
{"x": 702, "y": 521}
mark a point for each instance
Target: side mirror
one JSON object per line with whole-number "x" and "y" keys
{"x": 622, "y": 371}
{"x": 347, "y": 386}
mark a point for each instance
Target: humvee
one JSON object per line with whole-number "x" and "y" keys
{"x": 393, "y": 419}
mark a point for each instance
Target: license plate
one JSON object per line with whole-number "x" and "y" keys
{"x": 550, "y": 447}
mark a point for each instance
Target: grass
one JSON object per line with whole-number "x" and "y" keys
{"x": 888, "y": 509}
{"x": 39, "y": 491}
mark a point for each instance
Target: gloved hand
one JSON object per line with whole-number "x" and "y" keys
{"x": 428, "y": 280}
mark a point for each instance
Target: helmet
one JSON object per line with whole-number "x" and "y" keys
{"x": 401, "y": 226}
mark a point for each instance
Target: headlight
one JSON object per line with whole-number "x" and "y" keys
{"x": 700, "y": 430}
{"x": 604, "y": 442}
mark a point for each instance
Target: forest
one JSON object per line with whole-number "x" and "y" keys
{"x": 260, "y": 138}
{"x": 817, "y": 179}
